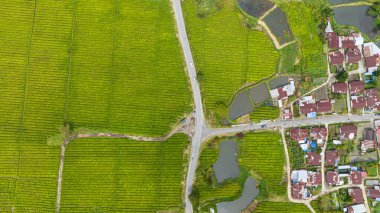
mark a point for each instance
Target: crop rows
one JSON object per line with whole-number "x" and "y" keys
{"x": 305, "y": 28}
{"x": 226, "y": 52}
{"x": 264, "y": 113}
{"x": 59, "y": 63}
{"x": 263, "y": 154}
{"x": 285, "y": 207}
{"x": 123, "y": 175}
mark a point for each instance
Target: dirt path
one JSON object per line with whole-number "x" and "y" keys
{"x": 324, "y": 158}
{"x": 361, "y": 3}
{"x": 267, "y": 12}
{"x": 273, "y": 37}
{"x": 182, "y": 128}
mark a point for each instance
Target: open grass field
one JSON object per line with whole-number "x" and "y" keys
{"x": 111, "y": 175}
{"x": 103, "y": 65}
{"x": 305, "y": 30}
{"x": 226, "y": 52}
{"x": 264, "y": 113}
{"x": 260, "y": 154}
{"x": 269, "y": 207}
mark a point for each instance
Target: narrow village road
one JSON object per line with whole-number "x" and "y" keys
{"x": 198, "y": 108}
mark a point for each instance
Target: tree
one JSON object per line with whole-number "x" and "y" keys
{"x": 342, "y": 76}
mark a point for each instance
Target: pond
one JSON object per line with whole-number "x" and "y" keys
{"x": 255, "y": 8}
{"x": 240, "y": 106}
{"x": 278, "y": 25}
{"x": 250, "y": 192}
{"x": 356, "y": 16}
{"x": 259, "y": 93}
{"x": 337, "y": 2}
{"x": 226, "y": 167}
{"x": 278, "y": 82}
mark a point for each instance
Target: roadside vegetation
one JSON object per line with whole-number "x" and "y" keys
{"x": 100, "y": 65}
{"x": 227, "y": 54}
{"x": 260, "y": 155}
{"x": 121, "y": 179}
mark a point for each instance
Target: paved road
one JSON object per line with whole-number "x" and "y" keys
{"x": 208, "y": 133}
{"x": 199, "y": 117}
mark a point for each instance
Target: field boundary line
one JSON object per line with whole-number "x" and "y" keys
{"x": 112, "y": 80}
{"x": 70, "y": 59}
{"x": 25, "y": 95}
{"x": 352, "y": 4}
{"x": 267, "y": 12}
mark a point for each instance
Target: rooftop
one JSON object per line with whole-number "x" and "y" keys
{"x": 356, "y": 87}
{"x": 336, "y": 58}
{"x": 339, "y": 88}
{"x": 354, "y": 55}
{"x": 313, "y": 159}
{"x": 332, "y": 157}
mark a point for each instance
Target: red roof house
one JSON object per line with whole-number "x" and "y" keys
{"x": 298, "y": 134}
{"x": 308, "y": 108}
{"x": 373, "y": 100}
{"x": 356, "y": 177}
{"x": 356, "y": 195}
{"x": 333, "y": 40}
{"x": 353, "y": 55}
{"x": 340, "y": 88}
{"x": 372, "y": 61}
{"x": 356, "y": 87}
{"x": 348, "y": 131}
{"x": 324, "y": 106}
{"x": 318, "y": 132}
{"x": 332, "y": 158}
{"x": 313, "y": 159}
{"x": 332, "y": 178}
{"x": 373, "y": 193}
{"x": 358, "y": 102}
{"x": 336, "y": 58}
{"x": 299, "y": 191}
{"x": 347, "y": 42}
{"x": 367, "y": 144}
{"x": 314, "y": 179}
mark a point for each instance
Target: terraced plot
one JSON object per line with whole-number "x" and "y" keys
{"x": 103, "y": 65}
{"x": 111, "y": 175}
{"x": 267, "y": 207}
{"x": 226, "y": 52}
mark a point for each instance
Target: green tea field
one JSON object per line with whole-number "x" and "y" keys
{"x": 101, "y": 65}
{"x": 110, "y": 175}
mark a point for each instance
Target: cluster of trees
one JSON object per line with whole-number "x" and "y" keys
{"x": 375, "y": 12}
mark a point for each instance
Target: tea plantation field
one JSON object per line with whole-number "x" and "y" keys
{"x": 101, "y": 65}
{"x": 120, "y": 175}
{"x": 227, "y": 54}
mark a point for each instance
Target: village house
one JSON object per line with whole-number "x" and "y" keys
{"x": 374, "y": 192}
{"x": 358, "y": 38}
{"x": 356, "y": 177}
{"x": 319, "y": 134}
{"x": 358, "y": 102}
{"x": 344, "y": 170}
{"x": 283, "y": 92}
{"x": 299, "y": 135}
{"x": 356, "y": 87}
{"x": 314, "y": 179}
{"x": 324, "y": 106}
{"x": 313, "y": 159}
{"x": 331, "y": 36}
{"x": 372, "y": 97}
{"x": 357, "y": 208}
{"x": 287, "y": 114}
{"x": 332, "y": 158}
{"x": 348, "y": 131}
{"x": 299, "y": 176}
{"x": 367, "y": 145}
{"x": 346, "y": 42}
{"x": 307, "y": 106}
{"x": 353, "y": 55}
{"x": 299, "y": 191}
{"x": 332, "y": 178}
{"x": 356, "y": 195}
{"x": 336, "y": 58}
{"x": 340, "y": 88}
{"x": 371, "y": 54}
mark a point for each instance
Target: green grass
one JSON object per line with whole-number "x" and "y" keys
{"x": 261, "y": 154}
{"x": 305, "y": 30}
{"x": 226, "y": 52}
{"x": 103, "y": 65}
{"x": 124, "y": 175}
{"x": 269, "y": 207}
{"x": 264, "y": 113}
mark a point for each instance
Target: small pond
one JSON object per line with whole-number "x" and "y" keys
{"x": 356, "y": 16}
{"x": 250, "y": 192}
{"x": 259, "y": 93}
{"x": 240, "y": 106}
{"x": 255, "y": 8}
{"x": 226, "y": 166}
{"x": 278, "y": 25}
{"x": 278, "y": 82}
{"x": 337, "y": 2}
